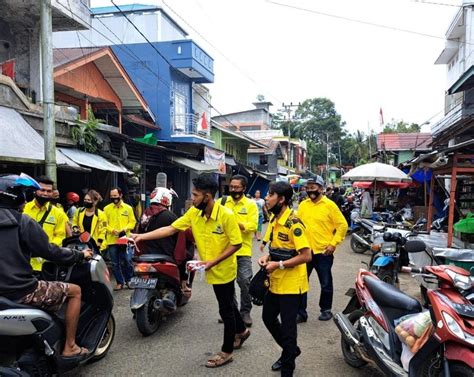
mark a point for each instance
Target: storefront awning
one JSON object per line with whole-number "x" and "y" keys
{"x": 21, "y": 143}
{"x": 465, "y": 82}
{"x": 194, "y": 165}
{"x": 93, "y": 161}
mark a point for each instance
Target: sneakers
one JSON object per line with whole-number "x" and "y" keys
{"x": 325, "y": 316}
{"x": 247, "y": 319}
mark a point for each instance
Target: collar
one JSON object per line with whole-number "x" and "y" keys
{"x": 284, "y": 217}
{"x": 242, "y": 200}
{"x": 215, "y": 211}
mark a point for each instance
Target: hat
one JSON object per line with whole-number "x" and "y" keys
{"x": 318, "y": 180}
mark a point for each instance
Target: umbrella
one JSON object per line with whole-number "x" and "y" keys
{"x": 369, "y": 185}
{"x": 376, "y": 172}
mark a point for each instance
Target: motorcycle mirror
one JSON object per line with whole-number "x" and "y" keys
{"x": 84, "y": 237}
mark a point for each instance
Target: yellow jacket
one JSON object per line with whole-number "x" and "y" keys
{"x": 118, "y": 218}
{"x": 98, "y": 226}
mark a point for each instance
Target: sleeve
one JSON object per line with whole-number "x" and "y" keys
{"x": 102, "y": 225}
{"x": 340, "y": 225}
{"x": 298, "y": 236}
{"x": 184, "y": 222}
{"x": 75, "y": 220}
{"x": 60, "y": 228}
{"x": 250, "y": 226}
{"x": 268, "y": 232}
{"x": 132, "y": 221}
{"x": 232, "y": 230}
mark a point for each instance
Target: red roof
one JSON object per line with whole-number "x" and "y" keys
{"x": 404, "y": 142}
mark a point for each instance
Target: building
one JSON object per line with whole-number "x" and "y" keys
{"x": 248, "y": 120}
{"x": 399, "y": 148}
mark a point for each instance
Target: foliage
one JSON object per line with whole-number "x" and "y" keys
{"x": 396, "y": 127}
{"x": 84, "y": 133}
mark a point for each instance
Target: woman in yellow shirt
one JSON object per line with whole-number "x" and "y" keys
{"x": 286, "y": 265}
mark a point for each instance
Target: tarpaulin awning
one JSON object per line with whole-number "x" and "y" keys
{"x": 229, "y": 160}
{"x": 194, "y": 165}
{"x": 21, "y": 143}
{"x": 93, "y": 161}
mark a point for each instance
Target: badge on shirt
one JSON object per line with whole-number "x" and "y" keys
{"x": 218, "y": 230}
{"x": 297, "y": 232}
{"x": 243, "y": 211}
{"x": 283, "y": 237}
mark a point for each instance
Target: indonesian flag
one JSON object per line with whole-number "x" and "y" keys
{"x": 381, "y": 117}
{"x": 8, "y": 68}
{"x": 202, "y": 125}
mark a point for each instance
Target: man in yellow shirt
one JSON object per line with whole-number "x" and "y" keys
{"x": 51, "y": 218}
{"x": 120, "y": 221}
{"x": 246, "y": 213}
{"x": 217, "y": 238}
{"x": 326, "y": 227}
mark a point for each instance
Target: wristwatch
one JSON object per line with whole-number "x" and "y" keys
{"x": 282, "y": 266}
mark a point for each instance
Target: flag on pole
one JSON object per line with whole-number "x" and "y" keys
{"x": 202, "y": 125}
{"x": 381, "y": 117}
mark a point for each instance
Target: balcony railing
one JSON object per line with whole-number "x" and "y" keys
{"x": 187, "y": 124}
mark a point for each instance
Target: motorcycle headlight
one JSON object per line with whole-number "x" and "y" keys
{"x": 460, "y": 281}
{"x": 453, "y": 326}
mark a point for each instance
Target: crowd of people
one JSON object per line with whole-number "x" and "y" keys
{"x": 222, "y": 230}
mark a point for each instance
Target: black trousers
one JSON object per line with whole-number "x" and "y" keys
{"x": 284, "y": 333}
{"x": 233, "y": 323}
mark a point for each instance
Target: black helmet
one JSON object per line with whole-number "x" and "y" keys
{"x": 13, "y": 187}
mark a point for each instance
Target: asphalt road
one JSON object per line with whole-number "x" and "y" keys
{"x": 185, "y": 340}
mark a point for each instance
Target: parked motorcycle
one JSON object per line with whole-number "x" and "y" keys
{"x": 157, "y": 289}
{"x": 34, "y": 338}
{"x": 368, "y": 329}
{"x": 364, "y": 234}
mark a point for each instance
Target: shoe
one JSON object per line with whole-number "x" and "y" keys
{"x": 220, "y": 320}
{"x": 247, "y": 319}
{"x": 277, "y": 364}
{"x": 301, "y": 319}
{"x": 325, "y": 316}
{"x": 118, "y": 287}
{"x": 240, "y": 339}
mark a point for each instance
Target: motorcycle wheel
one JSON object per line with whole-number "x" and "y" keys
{"x": 148, "y": 318}
{"x": 357, "y": 247}
{"x": 106, "y": 341}
{"x": 386, "y": 276}
{"x": 350, "y": 356}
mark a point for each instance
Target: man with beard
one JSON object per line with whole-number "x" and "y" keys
{"x": 51, "y": 218}
{"x": 217, "y": 238}
{"x": 246, "y": 213}
{"x": 326, "y": 227}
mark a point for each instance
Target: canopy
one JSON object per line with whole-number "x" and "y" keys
{"x": 376, "y": 172}
{"x": 93, "y": 161}
{"x": 194, "y": 165}
{"x": 369, "y": 185}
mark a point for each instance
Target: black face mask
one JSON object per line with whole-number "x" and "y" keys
{"x": 236, "y": 194}
{"x": 202, "y": 206}
{"x": 313, "y": 194}
{"x": 54, "y": 201}
{"x": 88, "y": 205}
{"x": 115, "y": 200}
{"x": 41, "y": 200}
{"x": 276, "y": 209}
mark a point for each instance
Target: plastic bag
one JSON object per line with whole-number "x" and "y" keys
{"x": 406, "y": 357}
{"x": 414, "y": 329}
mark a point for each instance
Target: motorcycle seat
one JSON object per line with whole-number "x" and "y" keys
{"x": 388, "y": 296}
{"x": 154, "y": 258}
{"x": 8, "y": 304}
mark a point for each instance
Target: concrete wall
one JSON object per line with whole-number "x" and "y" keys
{"x": 251, "y": 117}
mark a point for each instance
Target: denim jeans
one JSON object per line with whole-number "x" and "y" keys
{"x": 244, "y": 275}
{"x": 322, "y": 264}
{"x": 121, "y": 263}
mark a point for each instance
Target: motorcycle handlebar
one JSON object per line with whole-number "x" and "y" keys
{"x": 412, "y": 270}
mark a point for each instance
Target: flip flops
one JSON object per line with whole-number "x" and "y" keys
{"x": 84, "y": 352}
{"x": 219, "y": 359}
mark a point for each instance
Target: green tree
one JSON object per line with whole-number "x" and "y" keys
{"x": 400, "y": 126}
{"x": 83, "y": 133}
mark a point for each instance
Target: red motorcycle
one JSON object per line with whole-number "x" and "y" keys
{"x": 368, "y": 329}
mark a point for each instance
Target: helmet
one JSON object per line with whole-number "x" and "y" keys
{"x": 72, "y": 197}
{"x": 13, "y": 187}
{"x": 163, "y": 196}
{"x": 318, "y": 180}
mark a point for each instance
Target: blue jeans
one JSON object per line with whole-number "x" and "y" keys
{"x": 121, "y": 263}
{"x": 322, "y": 264}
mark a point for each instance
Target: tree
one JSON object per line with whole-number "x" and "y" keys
{"x": 400, "y": 126}
{"x": 83, "y": 133}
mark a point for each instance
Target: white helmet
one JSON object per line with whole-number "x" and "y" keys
{"x": 163, "y": 196}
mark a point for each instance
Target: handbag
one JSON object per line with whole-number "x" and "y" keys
{"x": 259, "y": 286}
{"x": 277, "y": 254}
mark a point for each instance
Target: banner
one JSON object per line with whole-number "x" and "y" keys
{"x": 214, "y": 157}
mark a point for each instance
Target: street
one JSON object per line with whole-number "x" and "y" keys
{"x": 185, "y": 341}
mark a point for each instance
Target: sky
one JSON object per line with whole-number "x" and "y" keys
{"x": 363, "y": 55}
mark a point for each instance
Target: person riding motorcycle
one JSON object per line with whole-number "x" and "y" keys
{"x": 23, "y": 238}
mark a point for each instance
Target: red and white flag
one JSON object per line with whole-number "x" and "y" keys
{"x": 202, "y": 125}
{"x": 381, "y": 117}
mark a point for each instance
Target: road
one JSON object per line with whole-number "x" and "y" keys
{"x": 184, "y": 341}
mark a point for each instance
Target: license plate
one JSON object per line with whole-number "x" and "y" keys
{"x": 143, "y": 283}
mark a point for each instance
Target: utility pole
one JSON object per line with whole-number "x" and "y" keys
{"x": 327, "y": 158}
{"x": 49, "y": 129}
{"x": 287, "y": 109}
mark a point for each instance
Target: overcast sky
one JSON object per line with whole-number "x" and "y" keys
{"x": 330, "y": 49}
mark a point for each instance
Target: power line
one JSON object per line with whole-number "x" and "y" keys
{"x": 435, "y": 3}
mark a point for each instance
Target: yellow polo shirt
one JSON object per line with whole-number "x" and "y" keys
{"x": 324, "y": 222}
{"x": 212, "y": 236}
{"x": 246, "y": 212}
{"x": 54, "y": 226}
{"x": 118, "y": 218}
{"x": 289, "y": 233}
{"x": 98, "y": 225}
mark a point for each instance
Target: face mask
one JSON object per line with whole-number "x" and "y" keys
{"x": 54, "y": 201}
{"x": 88, "y": 205}
{"x": 236, "y": 194}
{"x": 202, "y": 206}
{"x": 313, "y": 194}
{"x": 41, "y": 200}
{"x": 115, "y": 200}
{"x": 276, "y": 209}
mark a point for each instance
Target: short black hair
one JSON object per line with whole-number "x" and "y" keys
{"x": 206, "y": 183}
{"x": 282, "y": 189}
{"x": 336, "y": 190}
{"x": 45, "y": 179}
{"x": 241, "y": 178}
{"x": 119, "y": 190}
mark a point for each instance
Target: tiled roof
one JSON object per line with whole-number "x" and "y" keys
{"x": 404, "y": 142}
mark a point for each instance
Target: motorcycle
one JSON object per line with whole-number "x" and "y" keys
{"x": 368, "y": 330}
{"x": 157, "y": 289}
{"x": 33, "y": 339}
{"x": 363, "y": 234}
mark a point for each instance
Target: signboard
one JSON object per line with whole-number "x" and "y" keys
{"x": 216, "y": 158}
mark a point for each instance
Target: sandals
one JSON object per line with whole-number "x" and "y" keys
{"x": 118, "y": 287}
{"x": 219, "y": 359}
{"x": 240, "y": 339}
{"x": 83, "y": 352}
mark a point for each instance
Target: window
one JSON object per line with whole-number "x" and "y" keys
{"x": 263, "y": 159}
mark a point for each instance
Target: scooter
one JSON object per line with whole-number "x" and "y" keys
{"x": 368, "y": 329}
{"x": 33, "y": 339}
{"x": 157, "y": 289}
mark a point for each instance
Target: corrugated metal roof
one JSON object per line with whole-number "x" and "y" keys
{"x": 404, "y": 142}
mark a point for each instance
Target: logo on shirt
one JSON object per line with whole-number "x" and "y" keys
{"x": 283, "y": 237}
{"x": 243, "y": 211}
{"x": 125, "y": 213}
{"x": 218, "y": 230}
{"x": 297, "y": 232}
